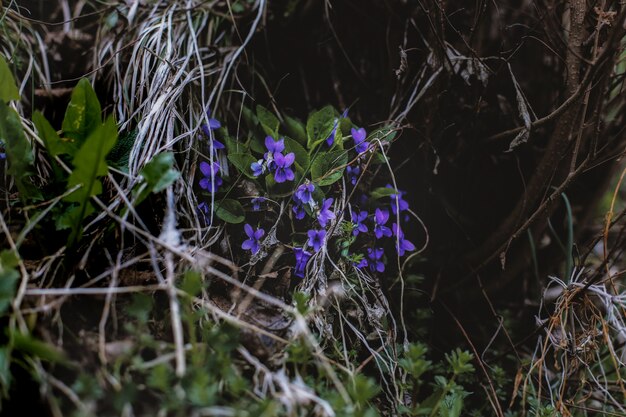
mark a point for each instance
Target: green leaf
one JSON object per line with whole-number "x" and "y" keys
{"x": 345, "y": 125}
{"x": 140, "y": 307}
{"x": 363, "y": 389}
{"x": 327, "y": 168}
{"x": 36, "y": 348}
{"x": 301, "y": 300}
{"x": 8, "y": 278}
{"x": 119, "y": 156}
{"x": 384, "y": 134}
{"x": 19, "y": 152}
{"x": 452, "y": 404}
{"x": 157, "y": 175}
{"x": 295, "y": 128}
{"x": 192, "y": 283}
{"x": 257, "y": 145}
{"x": 460, "y": 361}
{"x": 5, "y": 370}
{"x": 8, "y": 87}
{"x": 268, "y": 121}
{"x": 160, "y": 377}
{"x": 381, "y": 192}
{"x": 242, "y": 162}
{"x": 231, "y": 211}
{"x": 83, "y": 114}
{"x": 234, "y": 146}
{"x": 319, "y": 126}
{"x": 51, "y": 140}
{"x": 89, "y": 165}
{"x": 160, "y": 173}
{"x": 69, "y": 217}
{"x": 302, "y": 156}
{"x": 249, "y": 118}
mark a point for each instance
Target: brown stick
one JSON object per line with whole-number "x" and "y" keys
{"x": 557, "y": 149}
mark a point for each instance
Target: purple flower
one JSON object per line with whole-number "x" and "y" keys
{"x": 360, "y": 143}
{"x": 316, "y": 239}
{"x": 217, "y": 144}
{"x": 211, "y": 180}
{"x": 380, "y": 219}
{"x": 358, "y": 219}
{"x": 397, "y": 201}
{"x": 304, "y": 193}
{"x": 252, "y": 243}
{"x": 256, "y": 203}
{"x": 324, "y": 214}
{"x": 283, "y": 171}
{"x": 3, "y": 155}
{"x": 361, "y": 264}
{"x": 257, "y": 168}
{"x": 353, "y": 173}
{"x": 402, "y": 244}
{"x": 298, "y": 211}
{"x": 302, "y": 257}
{"x": 206, "y": 129}
{"x": 213, "y": 123}
{"x": 274, "y": 146}
{"x": 331, "y": 138}
{"x": 375, "y": 262}
{"x": 204, "y": 208}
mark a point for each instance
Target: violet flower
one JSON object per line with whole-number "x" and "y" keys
{"x": 252, "y": 243}
{"x": 273, "y": 147}
{"x": 316, "y": 239}
{"x": 360, "y": 144}
{"x": 361, "y": 264}
{"x": 353, "y": 173}
{"x": 302, "y": 257}
{"x": 256, "y": 203}
{"x": 358, "y": 219}
{"x": 211, "y": 180}
{"x": 298, "y": 211}
{"x": 397, "y": 202}
{"x": 212, "y": 125}
{"x": 331, "y": 138}
{"x": 283, "y": 163}
{"x": 402, "y": 245}
{"x": 258, "y": 168}
{"x": 324, "y": 214}
{"x": 375, "y": 262}
{"x": 304, "y": 193}
{"x": 203, "y": 207}
{"x": 380, "y": 219}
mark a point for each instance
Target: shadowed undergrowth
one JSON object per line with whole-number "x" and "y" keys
{"x": 245, "y": 208}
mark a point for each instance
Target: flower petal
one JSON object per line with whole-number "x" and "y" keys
{"x": 289, "y": 159}
{"x": 214, "y": 124}
{"x": 205, "y": 168}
